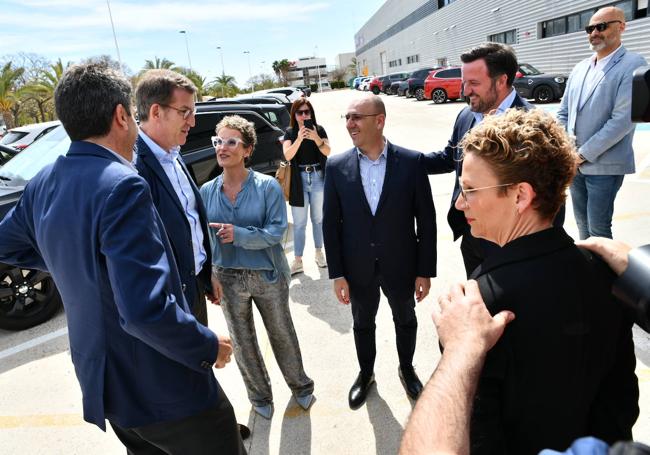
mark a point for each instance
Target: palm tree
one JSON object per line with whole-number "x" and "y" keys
{"x": 281, "y": 69}
{"x": 8, "y": 78}
{"x": 158, "y": 64}
{"x": 223, "y": 85}
{"x": 198, "y": 80}
{"x": 42, "y": 90}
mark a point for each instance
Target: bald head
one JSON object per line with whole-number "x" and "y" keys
{"x": 370, "y": 102}
{"x": 607, "y": 41}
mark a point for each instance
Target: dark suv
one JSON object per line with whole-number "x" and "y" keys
{"x": 29, "y": 297}
{"x": 415, "y": 83}
{"x": 543, "y": 87}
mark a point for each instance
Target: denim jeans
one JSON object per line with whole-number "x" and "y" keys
{"x": 593, "y": 203}
{"x": 312, "y": 188}
{"x": 240, "y": 289}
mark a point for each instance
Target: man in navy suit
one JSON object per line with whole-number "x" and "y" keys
{"x": 375, "y": 193}
{"x": 165, "y": 101}
{"x": 142, "y": 360}
{"x": 488, "y": 72}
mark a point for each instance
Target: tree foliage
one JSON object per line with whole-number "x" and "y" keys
{"x": 281, "y": 69}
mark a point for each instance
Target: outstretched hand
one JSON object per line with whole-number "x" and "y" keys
{"x": 613, "y": 252}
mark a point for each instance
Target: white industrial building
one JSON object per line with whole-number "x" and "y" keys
{"x": 306, "y": 71}
{"x": 404, "y": 35}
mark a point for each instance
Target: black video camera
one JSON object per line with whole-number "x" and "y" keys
{"x": 641, "y": 95}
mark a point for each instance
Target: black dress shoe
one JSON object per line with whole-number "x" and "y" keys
{"x": 359, "y": 390}
{"x": 411, "y": 382}
{"x": 244, "y": 431}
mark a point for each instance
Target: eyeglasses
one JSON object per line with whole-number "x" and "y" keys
{"x": 601, "y": 27}
{"x": 357, "y": 117}
{"x": 303, "y": 112}
{"x": 186, "y": 113}
{"x": 464, "y": 192}
{"x": 230, "y": 143}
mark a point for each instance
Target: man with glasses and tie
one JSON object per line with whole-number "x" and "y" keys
{"x": 375, "y": 195}
{"x": 596, "y": 110}
{"x": 488, "y": 71}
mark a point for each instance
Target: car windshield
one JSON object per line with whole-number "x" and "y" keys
{"x": 21, "y": 168}
{"x": 528, "y": 70}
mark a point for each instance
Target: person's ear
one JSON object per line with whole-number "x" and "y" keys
{"x": 154, "y": 111}
{"x": 524, "y": 196}
{"x": 121, "y": 116}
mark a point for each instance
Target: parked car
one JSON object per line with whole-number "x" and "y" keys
{"x": 293, "y": 93}
{"x": 443, "y": 84}
{"x": 374, "y": 85}
{"x": 270, "y": 108}
{"x": 365, "y": 84}
{"x": 305, "y": 89}
{"x": 542, "y": 87}
{"x": 22, "y": 137}
{"x": 395, "y": 83}
{"x": 277, "y": 96}
{"x": 6, "y": 153}
{"x": 402, "y": 88}
{"x": 356, "y": 82}
{"x": 386, "y": 81}
{"x": 29, "y": 297}
{"x": 415, "y": 82}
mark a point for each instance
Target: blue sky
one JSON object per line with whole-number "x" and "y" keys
{"x": 270, "y": 30}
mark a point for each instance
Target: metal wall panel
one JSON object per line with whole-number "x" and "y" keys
{"x": 446, "y": 33}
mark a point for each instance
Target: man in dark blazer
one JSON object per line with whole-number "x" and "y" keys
{"x": 488, "y": 72}
{"x": 375, "y": 193}
{"x": 165, "y": 101}
{"x": 142, "y": 360}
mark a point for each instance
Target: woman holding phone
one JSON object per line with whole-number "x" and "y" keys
{"x": 248, "y": 218}
{"x": 306, "y": 147}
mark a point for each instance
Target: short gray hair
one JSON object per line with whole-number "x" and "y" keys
{"x": 86, "y": 97}
{"x": 157, "y": 87}
{"x": 237, "y": 123}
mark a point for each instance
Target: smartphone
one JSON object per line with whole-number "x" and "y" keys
{"x": 309, "y": 123}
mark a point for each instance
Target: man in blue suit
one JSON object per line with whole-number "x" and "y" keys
{"x": 165, "y": 101}
{"x": 596, "y": 109}
{"x": 488, "y": 72}
{"x": 142, "y": 360}
{"x": 375, "y": 193}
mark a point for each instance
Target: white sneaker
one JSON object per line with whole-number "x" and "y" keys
{"x": 320, "y": 259}
{"x": 296, "y": 267}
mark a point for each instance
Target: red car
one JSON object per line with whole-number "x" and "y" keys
{"x": 375, "y": 85}
{"x": 443, "y": 84}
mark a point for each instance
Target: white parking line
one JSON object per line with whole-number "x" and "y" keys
{"x": 33, "y": 343}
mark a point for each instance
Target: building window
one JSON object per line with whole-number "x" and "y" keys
{"x": 413, "y": 59}
{"x": 442, "y": 3}
{"x": 577, "y": 22}
{"x": 509, "y": 37}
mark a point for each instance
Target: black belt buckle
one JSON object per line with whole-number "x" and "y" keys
{"x": 309, "y": 169}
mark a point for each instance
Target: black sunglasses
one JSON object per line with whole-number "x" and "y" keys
{"x": 601, "y": 27}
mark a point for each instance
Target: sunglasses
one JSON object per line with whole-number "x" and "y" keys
{"x": 230, "y": 143}
{"x": 184, "y": 112}
{"x": 601, "y": 27}
{"x": 303, "y": 112}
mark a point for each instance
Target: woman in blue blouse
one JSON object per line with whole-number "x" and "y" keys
{"x": 248, "y": 218}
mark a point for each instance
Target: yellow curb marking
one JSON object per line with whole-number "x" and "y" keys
{"x": 45, "y": 420}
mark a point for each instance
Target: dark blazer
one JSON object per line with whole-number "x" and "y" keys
{"x": 564, "y": 367}
{"x": 355, "y": 239}
{"x": 139, "y": 355}
{"x": 173, "y": 215}
{"x": 450, "y": 160}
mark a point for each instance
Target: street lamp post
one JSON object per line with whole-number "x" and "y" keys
{"x": 187, "y": 47}
{"x": 320, "y": 87}
{"x": 250, "y": 74}
{"x": 117, "y": 48}
{"x": 223, "y": 71}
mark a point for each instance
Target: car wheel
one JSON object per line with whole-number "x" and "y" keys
{"x": 27, "y": 297}
{"x": 375, "y": 90}
{"x": 439, "y": 96}
{"x": 419, "y": 94}
{"x": 543, "y": 94}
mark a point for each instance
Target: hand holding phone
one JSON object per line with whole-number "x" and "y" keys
{"x": 309, "y": 123}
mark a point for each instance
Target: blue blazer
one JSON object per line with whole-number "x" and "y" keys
{"x": 602, "y": 124}
{"x": 139, "y": 355}
{"x": 355, "y": 239}
{"x": 450, "y": 159}
{"x": 173, "y": 216}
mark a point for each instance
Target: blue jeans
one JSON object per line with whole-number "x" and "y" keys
{"x": 312, "y": 189}
{"x": 593, "y": 203}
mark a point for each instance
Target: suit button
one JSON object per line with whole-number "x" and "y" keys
{"x": 183, "y": 287}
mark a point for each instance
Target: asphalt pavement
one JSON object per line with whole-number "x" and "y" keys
{"x": 40, "y": 400}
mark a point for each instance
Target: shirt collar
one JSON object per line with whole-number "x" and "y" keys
{"x": 120, "y": 158}
{"x": 383, "y": 153}
{"x": 504, "y": 106}
{"x": 164, "y": 156}
{"x": 605, "y": 60}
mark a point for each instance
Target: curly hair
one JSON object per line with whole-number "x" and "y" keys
{"x": 237, "y": 123}
{"x": 527, "y": 146}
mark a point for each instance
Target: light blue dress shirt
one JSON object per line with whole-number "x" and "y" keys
{"x": 259, "y": 216}
{"x": 181, "y": 184}
{"x": 594, "y": 75}
{"x": 504, "y": 106}
{"x": 372, "y": 176}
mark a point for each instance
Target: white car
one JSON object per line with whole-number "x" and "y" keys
{"x": 293, "y": 93}
{"x": 21, "y": 137}
{"x": 364, "y": 83}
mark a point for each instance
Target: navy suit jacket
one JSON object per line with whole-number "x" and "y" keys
{"x": 139, "y": 355}
{"x": 450, "y": 160}
{"x": 173, "y": 216}
{"x": 355, "y": 239}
